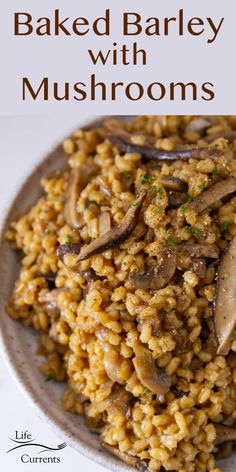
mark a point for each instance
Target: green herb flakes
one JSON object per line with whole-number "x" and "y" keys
{"x": 184, "y": 208}
{"x": 190, "y": 198}
{"x": 216, "y": 170}
{"x": 50, "y": 376}
{"x": 127, "y": 175}
{"x": 69, "y": 239}
{"x": 143, "y": 180}
{"x": 151, "y": 179}
{"x": 201, "y": 187}
{"x": 194, "y": 231}
{"x": 224, "y": 227}
{"x": 171, "y": 242}
{"x": 146, "y": 390}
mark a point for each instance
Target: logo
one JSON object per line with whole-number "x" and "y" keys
{"x": 33, "y": 451}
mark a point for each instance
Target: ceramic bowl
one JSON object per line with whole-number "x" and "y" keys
{"x": 19, "y": 344}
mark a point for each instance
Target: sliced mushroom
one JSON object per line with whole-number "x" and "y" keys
{"x": 94, "y": 425}
{"x": 224, "y": 433}
{"x": 119, "y": 402}
{"x": 90, "y": 276}
{"x": 64, "y": 249}
{"x": 50, "y": 299}
{"x": 106, "y": 191}
{"x": 149, "y": 374}
{"x": 175, "y": 199}
{"x": 157, "y": 277}
{"x": 214, "y": 194}
{"x": 199, "y": 267}
{"x": 123, "y": 141}
{"x": 118, "y": 233}
{"x": 224, "y": 306}
{"x": 199, "y": 250}
{"x": 111, "y": 361}
{"x": 229, "y": 135}
{"x": 199, "y": 125}
{"x": 174, "y": 183}
{"x": 50, "y": 278}
{"x": 123, "y": 456}
{"x": 104, "y": 223}
{"x": 79, "y": 178}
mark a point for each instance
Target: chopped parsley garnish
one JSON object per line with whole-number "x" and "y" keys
{"x": 224, "y": 227}
{"x": 146, "y": 390}
{"x": 194, "y": 231}
{"x": 201, "y": 187}
{"x": 161, "y": 192}
{"x": 151, "y": 179}
{"x": 190, "y": 198}
{"x": 69, "y": 239}
{"x": 153, "y": 189}
{"x": 171, "y": 242}
{"x": 184, "y": 208}
{"x": 137, "y": 204}
{"x": 127, "y": 175}
{"x": 216, "y": 170}
{"x": 143, "y": 180}
{"x": 147, "y": 180}
{"x": 158, "y": 210}
{"x": 50, "y": 376}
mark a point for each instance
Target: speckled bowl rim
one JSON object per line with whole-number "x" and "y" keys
{"x": 95, "y": 454}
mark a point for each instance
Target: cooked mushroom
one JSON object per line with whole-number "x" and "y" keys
{"x": 119, "y": 402}
{"x": 229, "y": 135}
{"x": 106, "y": 191}
{"x": 118, "y": 233}
{"x": 50, "y": 299}
{"x": 104, "y": 223}
{"x": 214, "y": 194}
{"x": 224, "y": 305}
{"x": 174, "y": 183}
{"x": 123, "y": 456}
{"x": 111, "y": 361}
{"x": 157, "y": 277}
{"x": 224, "y": 433}
{"x": 79, "y": 178}
{"x": 198, "y": 266}
{"x": 71, "y": 248}
{"x": 124, "y": 142}
{"x": 94, "y": 425}
{"x": 175, "y": 199}
{"x": 50, "y": 278}
{"x": 199, "y": 125}
{"x": 199, "y": 250}
{"x": 149, "y": 374}
{"x": 90, "y": 276}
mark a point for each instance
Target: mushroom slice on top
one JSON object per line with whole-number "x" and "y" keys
{"x": 214, "y": 194}
{"x": 123, "y": 141}
{"x": 199, "y": 250}
{"x": 224, "y": 306}
{"x": 157, "y": 277}
{"x": 199, "y": 124}
{"x": 71, "y": 248}
{"x": 229, "y": 135}
{"x": 149, "y": 374}
{"x": 119, "y": 402}
{"x": 118, "y": 233}
{"x": 174, "y": 183}
{"x": 224, "y": 433}
{"x": 104, "y": 223}
{"x": 79, "y": 178}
